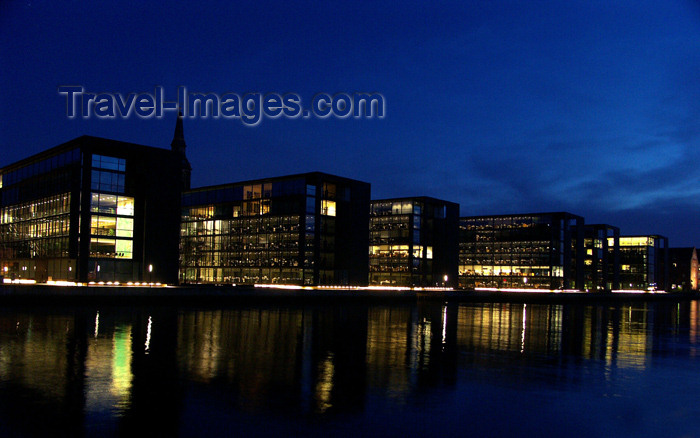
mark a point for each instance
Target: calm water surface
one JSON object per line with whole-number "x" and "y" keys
{"x": 431, "y": 369}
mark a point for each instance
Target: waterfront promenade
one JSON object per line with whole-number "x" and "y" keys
{"x": 49, "y": 294}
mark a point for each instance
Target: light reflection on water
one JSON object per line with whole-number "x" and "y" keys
{"x": 496, "y": 368}
{"x": 108, "y": 374}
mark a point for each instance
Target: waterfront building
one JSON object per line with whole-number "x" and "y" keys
{"x": 306, "y": 229}
{"x": 643, "y": 262}
{"x": 531, "y": 251}
{"x": 413, "y": 242}
{"x": 93, "y": 209}
{"x": 683, "y": 269}
{"x": 601, "y": 257}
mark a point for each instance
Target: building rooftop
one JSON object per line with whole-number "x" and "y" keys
{"x": 270, "y": 179}
{"x": 548, "y": 213}
{"x": 77, "y": 142}
{"x": 413, "y": 198}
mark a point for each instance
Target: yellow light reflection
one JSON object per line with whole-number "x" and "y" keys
{"x": 693, "y": 322}
{"x": 121, "y": 364}
{"x": 324, "y": 386}
{"x": 522, "y": 335}
{"x": 97, "y": 323}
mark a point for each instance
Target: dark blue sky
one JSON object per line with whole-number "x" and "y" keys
{"x": 591, "y": 107}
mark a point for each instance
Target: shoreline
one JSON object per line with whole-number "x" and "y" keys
{"x": 193, "y": 295}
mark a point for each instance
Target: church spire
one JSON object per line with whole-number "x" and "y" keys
{"x": 178, "y": 146}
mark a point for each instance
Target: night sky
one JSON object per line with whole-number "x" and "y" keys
{"x": 591, "y": 107}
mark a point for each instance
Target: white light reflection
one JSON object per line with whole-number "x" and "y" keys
{"x": 533, "y": 290}
{"x": 522, "y": 334}
{"x": 148, "y": 334}
{"x": 444, "y": 326}
{"x": 97, "y": 323}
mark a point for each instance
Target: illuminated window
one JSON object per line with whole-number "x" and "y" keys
{"x": 328, "y": 207}
{"x": 251, "y": 208}
{"x": 399, "y": 250}
{"x": 207, "y": 212}
{"x": 637, "y": 241}
{"x": 125, "y": 206}
{"x": 111, "y": 248}
{"x": 252, "y": 191}
{"x": 402, "y": 207}
{"x": 125, "y": 227}
{"x": 124, "y": 249}
{"x": 102, "y": 203}
{"x": 112, "y": 204}
{"x": 265, "y": 207}
{"x": 110, "y": 222}
{"x": 102, "y": 247}
{"x": 103, "y": 225}
{"x": 417, "y": 251}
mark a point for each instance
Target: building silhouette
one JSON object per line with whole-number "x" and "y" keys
{"x": 643, "y": 262}
{"x": 306, "y": 229}
{"x": 601, "y": 257}
{"x": 532, "y": 251}
{"x": 100, "y": 210}
{"x": 413, "y": 242}
{"x": 683, "y": 269}
{"x": 93, "y": 209}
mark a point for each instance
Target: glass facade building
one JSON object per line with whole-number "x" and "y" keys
{"x": 532, "y": 251}
{"x": 91, "y": 209}
{"x": 307, "y": 229}
{"x": 601, "y": 258}
{"x": 643, "y": 262}
{"x": 413, "y": 242}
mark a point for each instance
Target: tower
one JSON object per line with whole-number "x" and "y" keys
{"x": 178, "y": 146}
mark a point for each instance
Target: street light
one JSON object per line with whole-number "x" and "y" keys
{"x": 150, "y": 271}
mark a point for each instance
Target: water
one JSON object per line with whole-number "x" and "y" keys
{"x": 430, "y": 369}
